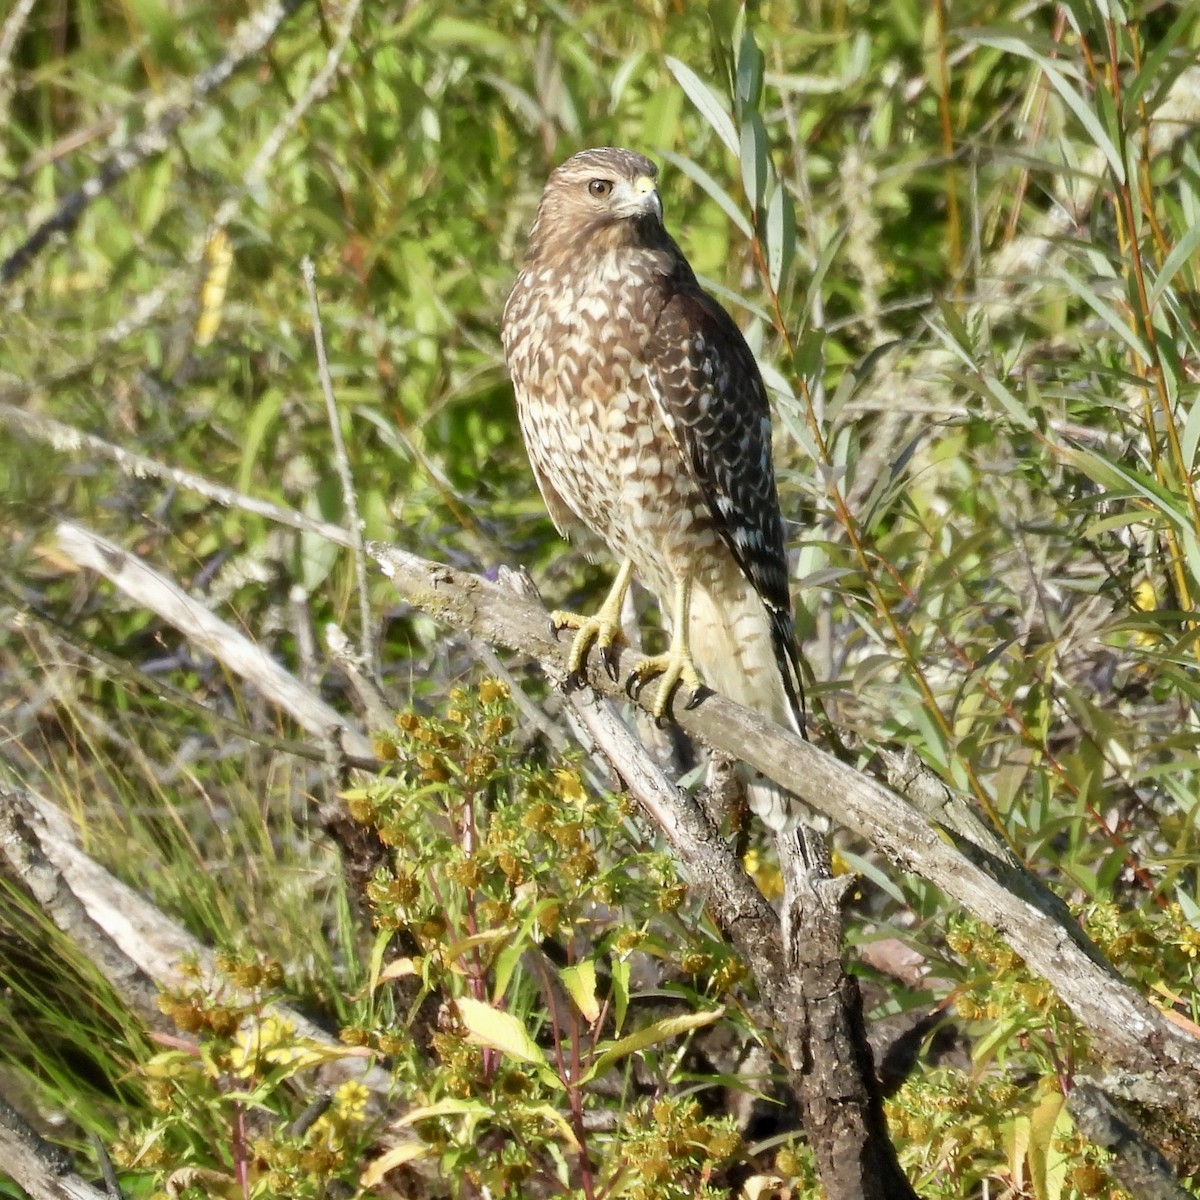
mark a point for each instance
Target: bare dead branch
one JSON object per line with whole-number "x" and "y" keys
{"x": 1127, "y": 1031}
{"x": 813, "y": 1003}
{"x": 43, "y": 1171}
{"x": 250, "y": 38}
{"x": 141, "y": 934}
{"x": 234, "y": 650}
{"x": 1138, "y": 1166}
{"x": 66, "y": 439}
{"x": 29, "y": 867}
{"x": 149, "y": 684}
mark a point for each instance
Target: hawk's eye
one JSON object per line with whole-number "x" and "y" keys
{"x": 600, "y": 187}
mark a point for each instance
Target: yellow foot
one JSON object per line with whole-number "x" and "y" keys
{"x": 674, "y": 667}
{"x": 602, "y": 629}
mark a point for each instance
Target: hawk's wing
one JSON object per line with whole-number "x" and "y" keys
{"x": 705, "y": 381}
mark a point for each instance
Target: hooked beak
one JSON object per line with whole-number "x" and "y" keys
{"x": 640, "y": 198}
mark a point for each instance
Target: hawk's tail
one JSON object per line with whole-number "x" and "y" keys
{"x": 747, "y": 652}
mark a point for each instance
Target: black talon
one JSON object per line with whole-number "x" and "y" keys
{"x": 694, "y": 699}
{"x": 578, "y": 678}
{"x": 554, "y": 629}
{"x": 633, "y": 685}
{"x": 610, "y": 664}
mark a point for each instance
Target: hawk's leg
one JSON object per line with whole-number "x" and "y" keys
{"x": 676, "y": 666}
{"x": 604, "y": 628}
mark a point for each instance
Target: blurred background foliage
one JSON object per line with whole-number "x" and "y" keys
{"x": 961, "y": 238}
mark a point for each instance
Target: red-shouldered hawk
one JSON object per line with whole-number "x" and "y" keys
{"x": 647, "y": 424}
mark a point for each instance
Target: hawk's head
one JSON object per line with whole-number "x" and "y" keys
{"x": 605, "y": 196}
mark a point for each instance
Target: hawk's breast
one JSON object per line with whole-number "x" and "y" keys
{"x": 598, "y": 440}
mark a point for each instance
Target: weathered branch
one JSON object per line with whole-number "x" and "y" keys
{"x": 247, "y": 42}
{"x": 24, "y": 861}
{"x": 125, "y": 927}
{"x": 1137, "y": 1165}
{"x": 41, "y": 1170}
{"x": 1126, "y": 1030}
{"x": 813, "y": 1003}
{"x": 152, "y": 590}
{"x": 66, "y": 439}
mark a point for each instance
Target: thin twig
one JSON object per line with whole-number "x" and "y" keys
{"x": 66, "y": 439}
{"x": 367, "y": 640}
{"x": 248, "y": 41}
{"x": 9, "y": 32}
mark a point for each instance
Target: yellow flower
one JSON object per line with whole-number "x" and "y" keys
{"x": 350, "y": 1101}
{"x": 270, "y": 1041}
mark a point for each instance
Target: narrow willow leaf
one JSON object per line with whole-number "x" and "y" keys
{"x": 1134, "y": 92}
{"x": 749, "y": 72}
{"x": 1113, "y": 319}
{"x": 1191, "y": 435}
{"x": 621, "y": 972}
{"x": 1181, "y": 253}
{"x": 1053, "y": 70}
{"x": 753, "y": 154}
{"x": 659, "y": 1031}
{"x": 817, "y": 279}
{"x": 1088, "y": 119}
{"x": 781, "y": 236}
{"x": 456, "y": 31}
{"x": 621, "y": 78}
{"x": 1191, "y": 551}
{"x": 710, "y": 105}
{"x": 707, "y": 183}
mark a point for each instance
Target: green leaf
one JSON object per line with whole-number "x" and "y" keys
{"x": 1047, "y": 1166}
{"x": 443, "y": 1108}
{"x": 710, "y": 106}
{"x": 252, "y": 434}
{"x": 580, "y": 982}
{"x": 1181, "y": 253}
{"x": 488, "y": 1026}
{"x": 651, "y": 1035}
{"x": 620, "y": 990}
{"x": 753, "y": 155}
{"x": 781, "y": 236}
{"x": 1134, "y": 92}
{"x": 382, "y": 940}
{"x": 700, "y": 176}
{"x": 474, "y": 35}
{"x": 503, "y": 968}
{"x": 1191, "y": 434}
{"x": 397, "y": 1156}
{"x": 1053, "y": 69}
{"x": 749, "y": 72}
